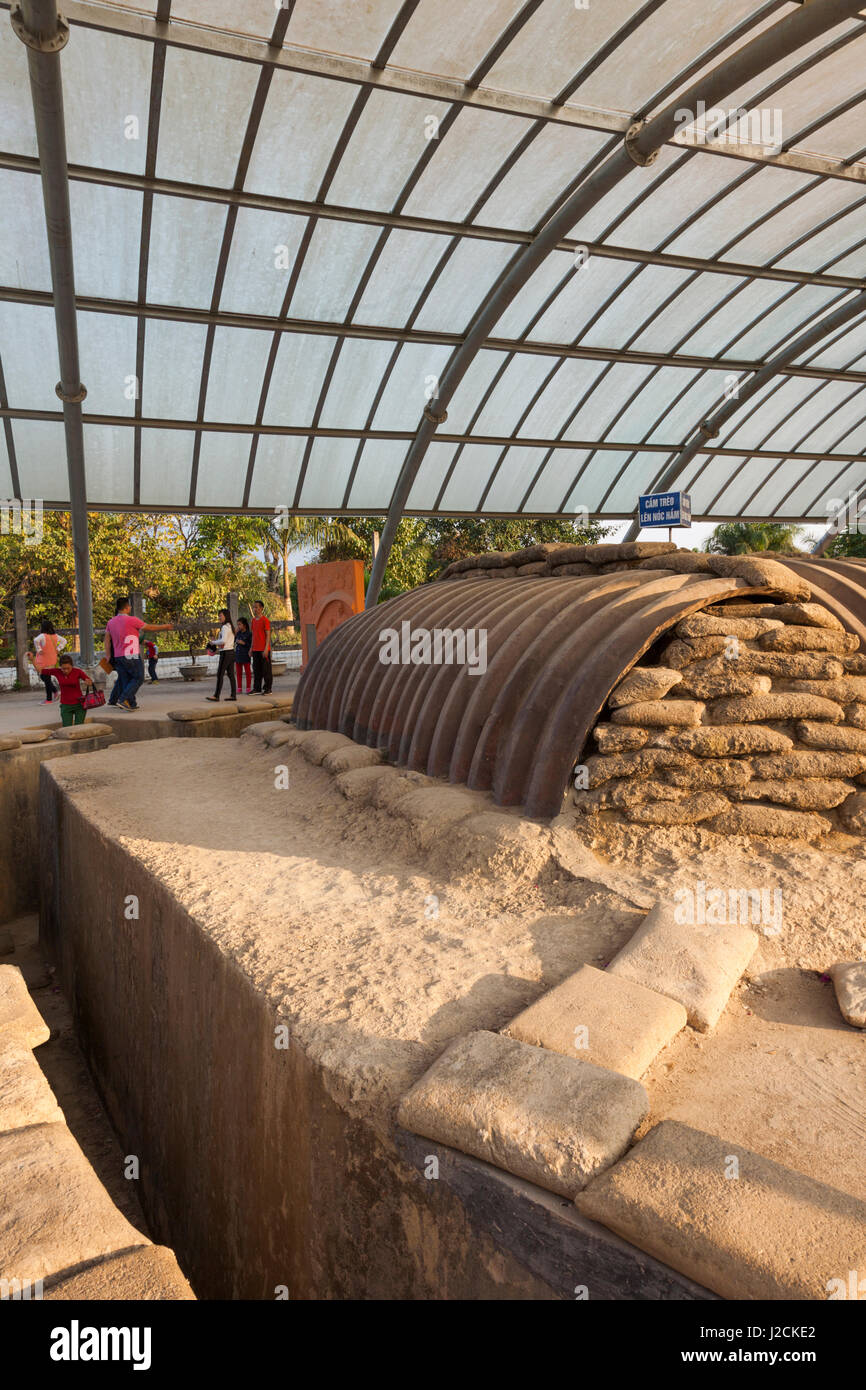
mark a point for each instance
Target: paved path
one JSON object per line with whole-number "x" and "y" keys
{"x": 26, "y": 708}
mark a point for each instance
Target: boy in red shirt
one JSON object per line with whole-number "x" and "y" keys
{"x": 261, "y": 650}
{"x": 69, "y": 677}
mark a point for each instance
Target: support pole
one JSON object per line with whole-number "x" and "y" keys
{"x": 37, "y": 24}
{"x": 22, "y": 665}
{"x": 233, "y": 606}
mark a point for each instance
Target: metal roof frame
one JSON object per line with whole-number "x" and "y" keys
{"x": 646, "y": 133}
{"x": 785, "y": 37}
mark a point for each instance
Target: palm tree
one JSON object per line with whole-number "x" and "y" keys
{"x": 745, "y": 537}
{"x": 289, "y": 532}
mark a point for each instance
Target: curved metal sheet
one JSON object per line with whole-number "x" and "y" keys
{"x": 555, "y": 648}
{"x": 839, "y": 584}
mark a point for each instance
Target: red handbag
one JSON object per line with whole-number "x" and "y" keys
{"x": 93, "y": 699}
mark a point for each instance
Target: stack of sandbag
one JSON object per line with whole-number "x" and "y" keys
{"x": 750, "y": 718}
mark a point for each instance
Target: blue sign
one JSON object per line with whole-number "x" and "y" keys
{"x": 666, "y": 509}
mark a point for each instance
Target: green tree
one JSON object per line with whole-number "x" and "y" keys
{"x": 746, "y": 537}
{"x": 408, "y": 562}
{"x": 423, "y": 546}
{"x": 850, "y": 544}
{"x": 452, "y": 538}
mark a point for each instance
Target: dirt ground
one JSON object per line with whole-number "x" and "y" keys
{"x": 377, "y": 955}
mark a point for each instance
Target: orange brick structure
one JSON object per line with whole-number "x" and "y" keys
{"x": 327, "y": 595}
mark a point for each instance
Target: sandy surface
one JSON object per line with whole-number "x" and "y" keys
{"x": 376, "y": 959}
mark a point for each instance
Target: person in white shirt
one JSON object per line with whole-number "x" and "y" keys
{"x": 225, "y": 645}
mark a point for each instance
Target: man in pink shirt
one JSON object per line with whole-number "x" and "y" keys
{"x": 123, "y": 651}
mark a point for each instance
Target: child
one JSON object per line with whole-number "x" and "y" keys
{"x": 243, "y": 638}
{"x": 152, "y": 653}
{"x": 69, "y": 677}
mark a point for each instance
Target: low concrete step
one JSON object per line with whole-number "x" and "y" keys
{"x": 55, "y": 1212}
{"x": 150, "y": 1272}
{"x": 19, "y": 1016}
{"x": 736, "y": 1222}
{"x": 25, "y": 1096}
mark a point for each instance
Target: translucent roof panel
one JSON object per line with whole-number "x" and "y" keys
{"x": 107, "y": 347}
{"x": 222, "y": 468}
{"x": 513, "y": 476}
{"x": 571, "y": 378}
{"x": 104, "y": 224}
{"x": 390, "y": 137}
{"x": 184, "y": 247}
{"x": 553, "y": 484}
{"x": 166, "y": 465}
{"x": 355, "y": 380}
{"x": 7, "y": 482}
{"x": 406, "y": 263}
{"x": 16, "y": 112}
{"x": 847, "y": 350}
{"x": 548, "y": 165}
{"x": 41, "y": 454}
{"x": 173, "y": 358}
{"x": 470, "y": 473}
{"x": 359, "y": 30}
{"x": 376, "y": 475}
{"x": 28, "y": 345}
{"x": 109, "y": 453}
{"x": 297, "y": 378}
{"x": 824, "y": 485}
{"x": 411, "y": 382}
{"x": 331, "y": 270}
{"x": 277, "y": 469}
{"x": 430, "y": 477}
{"x": 23, "y": 248}
{"x": 594, "y": 479}
{"x": 235, "y": 375}
{"x": 254, "y": 17}
{"x": 193, "y": 146}
{"x": 463, "y": 163}
{"x": 106, "y": 97}
{"x": 340, "y": 237}
{"x": 264, "y": 251}
{"x": 449, "y": 37}
{"x": 328, "y": 470}
{"x": 303, "y": 118}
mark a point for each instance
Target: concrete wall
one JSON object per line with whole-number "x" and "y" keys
{"x": 249, "y": 1168}
{"x": 19, "y": 783}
